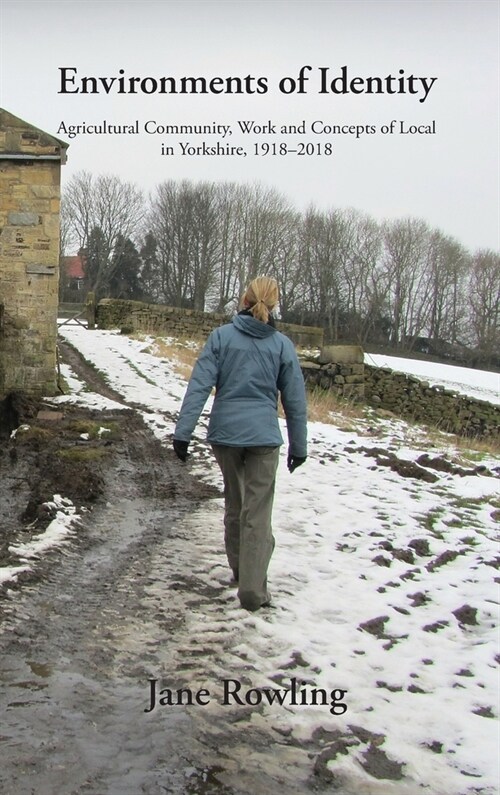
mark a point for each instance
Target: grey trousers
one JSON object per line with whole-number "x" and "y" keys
{"x": 249, "y": 475}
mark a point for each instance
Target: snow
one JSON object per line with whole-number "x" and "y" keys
{"x": 21, "y": 429}
{"x": 424, "y": 674}
{"x": 11, "y": 573}
{"x": 56, "y": 532}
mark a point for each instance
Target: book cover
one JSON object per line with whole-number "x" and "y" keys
{"x": 128, "y": 665}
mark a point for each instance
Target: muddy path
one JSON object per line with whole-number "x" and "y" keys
{"x": 93, "y": 379}
{"x": 125, "y": 601}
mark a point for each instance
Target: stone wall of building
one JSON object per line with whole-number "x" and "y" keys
{"x": 176, "y": 322}
{"x": 30, "y": 166}
{"x": 415, "y": 400}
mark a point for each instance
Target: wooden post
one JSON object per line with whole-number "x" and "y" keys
{"x": 90, "y": 306}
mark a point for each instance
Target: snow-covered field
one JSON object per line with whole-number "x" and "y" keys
{"x": 383, "y": 585}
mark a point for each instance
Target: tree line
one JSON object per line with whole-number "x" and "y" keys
{"x": 198, "y": 244}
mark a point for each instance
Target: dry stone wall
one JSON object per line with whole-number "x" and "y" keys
{"x": 176, "y": 322}
{"x": 158, "y": 319}
{"x": 413, "y": 399}
{"x": 340, "y": 369}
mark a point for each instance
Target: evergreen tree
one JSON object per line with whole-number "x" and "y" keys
{"x": 125, "y": 268}
{"x": 95, "y": 257}
{"x": 150, "y": 276}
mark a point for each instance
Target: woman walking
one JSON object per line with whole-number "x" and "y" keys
{"x": 250, "y": 364}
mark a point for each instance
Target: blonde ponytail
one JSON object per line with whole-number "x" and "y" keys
{"x": 261, "y": 297}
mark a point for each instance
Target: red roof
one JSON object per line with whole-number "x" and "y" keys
{"x": 73, "y": 267}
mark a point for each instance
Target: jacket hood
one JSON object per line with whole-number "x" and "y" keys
{"x": 254, "y": 328}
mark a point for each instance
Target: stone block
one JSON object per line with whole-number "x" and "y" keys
{"x": 45, "y": 415}
{"x": 20, "y": 323}
{"x": 40, "y": 206}
{"x": 45, "y": 191}
{"x": 9, "y": 204}
{"x": 20, "y": 192}
{"x": 341, "y": 354}
{"x": 38, "y": 269}
{"x": 354, "y": 379}
{"x": 305, "y": 365}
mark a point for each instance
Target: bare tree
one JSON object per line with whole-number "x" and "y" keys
{"x": 106, "y": 203}
{"x": 286, "y": 268}
{"x": 169, "y": 219}
{"x": 225, "y": 291}
{"x": 213, "y": 238}
{"x": 321, "y": 251}
{"x": 184, "y": 219}
{"x": 65, "y": 229}
{"x": 407, "y": 274}
{"x": 261, "y": 232}
{"x": 484, "y": 303}
{"x": 359, "y": 254}
{"x": 205, "y": 241}
{"x": 77, "y": 201}
{"x": 448, "y": 265}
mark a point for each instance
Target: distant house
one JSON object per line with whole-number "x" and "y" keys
{"x": 73, "y": 272}
{"x": 30, "y": 177}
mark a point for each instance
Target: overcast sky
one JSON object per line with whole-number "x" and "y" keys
{"x": 449, "y": 178}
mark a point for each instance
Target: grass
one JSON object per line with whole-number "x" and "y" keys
{"x": 469, "y": 448}
{"x": 324, "y": 406}
{"x": 102, "y": 374}
{"x": 140, "y": 373}
{"x": 87, "y": 454}
{"x": 29, "y": 432}
{"x": 471, "y": 541}
{"x": 474, "y": 449}
{"x": 429, "y": 519}
{"x": 182, "y": 354}
{"x": 63, "y": 385}
{"x": 95, "y": 430}
{"x": 457, "y": 522}
{"x": 474, "y": 503}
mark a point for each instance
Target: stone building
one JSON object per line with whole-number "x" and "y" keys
{"x": 30, "y": 172}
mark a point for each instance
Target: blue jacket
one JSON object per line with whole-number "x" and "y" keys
{"x": 248, "y": 362}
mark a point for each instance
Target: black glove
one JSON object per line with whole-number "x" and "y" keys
{"x": 181, "y": 449}
{"x": 294, "y": 461}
